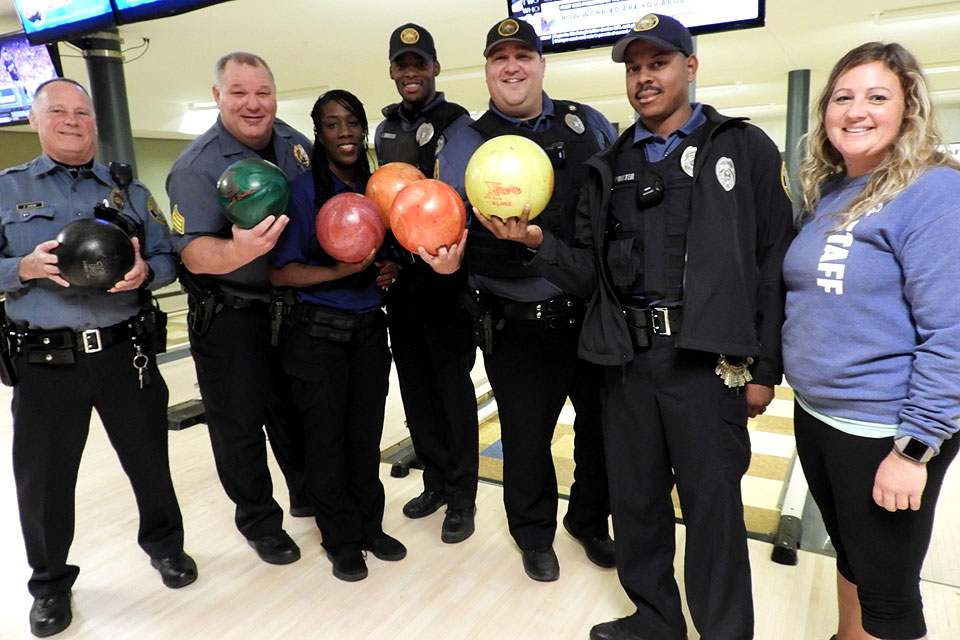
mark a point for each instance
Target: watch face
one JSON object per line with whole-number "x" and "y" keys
{"x": 915, "y": 449}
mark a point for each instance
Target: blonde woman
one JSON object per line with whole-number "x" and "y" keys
{"x": 872, "y": 336}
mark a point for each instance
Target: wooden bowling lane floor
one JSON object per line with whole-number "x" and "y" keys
{"x": 771, "y": 441}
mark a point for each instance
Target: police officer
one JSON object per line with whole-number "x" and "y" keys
{"x": 687, "y": 221}
{"x": 88, "y": 348}
{"x": 533, "y": 365}
{"x": 229, "y": 293}
{"x": 431, "y": 335}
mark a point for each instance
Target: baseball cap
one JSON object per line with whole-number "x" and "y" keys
{"x": 512, "y": 29}
{"x": 413, "y": 38}
{"x": 662, "y": 31}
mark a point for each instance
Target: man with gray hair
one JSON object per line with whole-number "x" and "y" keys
{"x": 229, "y": 294}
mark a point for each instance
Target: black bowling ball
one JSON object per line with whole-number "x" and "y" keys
{"x": 93, "y": 253}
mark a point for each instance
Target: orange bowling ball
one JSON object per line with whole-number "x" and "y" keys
{"x": 428, "y": 214}
{"x": 387, "y": 181}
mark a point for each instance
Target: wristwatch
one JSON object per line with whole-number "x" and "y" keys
{"x": 913, "y": 449}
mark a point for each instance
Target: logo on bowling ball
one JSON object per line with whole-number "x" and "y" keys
{"x": 94, "y": 270}
{"x": 251, "y": 189}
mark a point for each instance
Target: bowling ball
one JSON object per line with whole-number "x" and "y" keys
{"x": 507, "y": 172}
{"x": 93, "y": 253}
{"x": 349, "y": 227}
{"x": 428, "y": 214}
{"x": 387, "y": 181}
{"x": 251, "y": 189}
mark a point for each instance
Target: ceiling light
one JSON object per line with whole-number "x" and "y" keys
{"x": 923, "y": 12}
{"x": 947, "y": 67}
{"x": 719, "y": 88}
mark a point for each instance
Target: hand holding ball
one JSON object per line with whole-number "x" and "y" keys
{"x": 251, "y": 189}
{"x": 428, "y": 214}
{"x": 93, "y": 253}
{"x": 349, "y": 227}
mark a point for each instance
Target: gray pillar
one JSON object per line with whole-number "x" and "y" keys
{"x": 108, "y": 88}
{"x": 798, "y": 115}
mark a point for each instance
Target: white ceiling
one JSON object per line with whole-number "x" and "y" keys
{"x": 314, "y": 45}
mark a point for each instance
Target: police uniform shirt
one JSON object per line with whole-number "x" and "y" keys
{"x": 656, "y": 148}
{"x": 38, "y": 199}
{"x": 192, "y": 187}
{"x": 452, "y": 130}
{"x": 452, "y": 162}
{"x": 357, "y": 292}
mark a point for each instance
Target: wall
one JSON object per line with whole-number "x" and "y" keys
{"x": 154, "y": 158}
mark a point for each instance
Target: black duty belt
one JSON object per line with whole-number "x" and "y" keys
{"x": 646, "y": 321}
{"x": 236, "y": 302}
{"x": 544, "y": 309}
{"x": 88, "y": 341}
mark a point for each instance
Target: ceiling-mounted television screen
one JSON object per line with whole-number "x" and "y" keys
{"x": 51, "y": 20}
{"x": 23, "y": 68}
{"x": 136, "y": 10}
{"x": 566, "y": 25}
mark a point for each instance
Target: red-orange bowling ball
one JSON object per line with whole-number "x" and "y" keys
{"x": 387, "y": 181}
{"x": 428, "y": 214}
{"x": 349, "y": 227}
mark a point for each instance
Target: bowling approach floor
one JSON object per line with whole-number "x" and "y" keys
{"x": 473, "y": 590}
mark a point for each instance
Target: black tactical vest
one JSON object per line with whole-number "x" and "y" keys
{"x": 569, "y": 144}
{"x": 646, "y": 248}
{"x": 419, "y": 146}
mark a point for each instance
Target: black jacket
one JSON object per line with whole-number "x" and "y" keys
{"x": 733, "y": 290}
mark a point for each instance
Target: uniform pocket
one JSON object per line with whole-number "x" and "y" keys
{"x": 24, "y": 229}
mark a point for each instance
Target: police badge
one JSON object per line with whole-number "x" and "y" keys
{"x": 301, "y": 156}
{"x": 116, "y": 198}
{"x": 575, "y": 123}
{"x": 687, "y": 160}
{"x": 726, "y": 173}
{"x": 424, "y": 133}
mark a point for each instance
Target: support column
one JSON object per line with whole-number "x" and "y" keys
{"x": 798, "y": 115}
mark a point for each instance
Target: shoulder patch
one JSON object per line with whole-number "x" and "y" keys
{"x": 785, "y": 180}
{"x": 177, "y": 220}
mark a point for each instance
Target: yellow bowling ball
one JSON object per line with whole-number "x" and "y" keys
{"x": 507, "y": 172}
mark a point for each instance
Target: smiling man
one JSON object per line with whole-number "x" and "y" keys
{"x": 430, "y": 333}
{"x": 530, "y": 352}
{"x": 225, "y": 276}
{"x": 681, "y": 231}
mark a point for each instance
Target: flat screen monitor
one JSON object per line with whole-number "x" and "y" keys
{"x": 51, "y": 20}
{"x": 23, "y": 67}
{"x": 136, "y": 10}
{"x": 566, "y": 25}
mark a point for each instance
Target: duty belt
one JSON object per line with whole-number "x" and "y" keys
{"x": 563, "y": 308}
{"x": 44, "y": 346}
{"x": 643, "y": 322}
{"x": 236, "y": 302}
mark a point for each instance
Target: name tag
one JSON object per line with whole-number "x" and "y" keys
{"x": 27, "y": 206}
{"x": 389, "y": 136}
{"x": 626, "y": 177}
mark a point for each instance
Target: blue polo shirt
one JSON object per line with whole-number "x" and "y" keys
{"x": 359, "y": 292}
{"x": 655, "y": 147}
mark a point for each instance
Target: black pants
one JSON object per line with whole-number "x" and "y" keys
{"x": 879, "y": 551}
{"x": 669, "y": 419}
{"x": 431, "y": 337}
{"x": 340, "y": 389}
{"x": 533, "y": 370}
{"x": 51, "y": 419}
{"x": 243, "y": 389}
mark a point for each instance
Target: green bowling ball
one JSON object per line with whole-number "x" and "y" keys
{"x": 251, "y": 189}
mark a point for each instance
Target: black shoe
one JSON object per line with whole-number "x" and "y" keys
{"x": 276, "y": 548}
{"x": 600, "y": 551}
{"x": 348, "y": 562}
{"x": 458, "y": 525}
{"x": 424, "y": 504}
{"x": 385, "y": 547}
{"x": 176, "y": 571}
{"x": 50, "y": 614}
{"x": 541, "y": 564}
{"x": 617, "y": 630}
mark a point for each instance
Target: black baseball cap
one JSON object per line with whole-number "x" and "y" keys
{"x": 662, "y": 31}
{"x": 413, "y": 38}
{"x": 512, "y": 29}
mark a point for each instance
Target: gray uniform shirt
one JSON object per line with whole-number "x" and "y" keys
{"x": 192, "y": 187}
{"x": 38, "y": 199}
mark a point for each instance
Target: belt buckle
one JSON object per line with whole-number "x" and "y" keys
{"x": 660, "y": 321}
{"x": 91, "y": 341}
